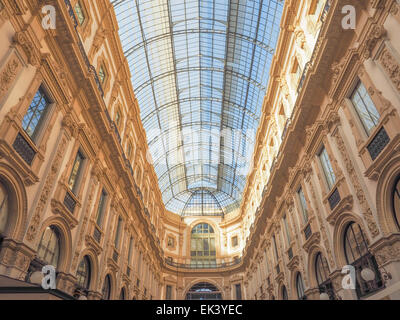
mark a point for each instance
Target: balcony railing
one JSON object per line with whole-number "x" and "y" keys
{"x": 24, "y": 149}
{"x": 334, "y": 199}
{"x": 203, "y": 265}
{"x": 307, "y": 232}
{"x": 380, "y": 141}
{"x": 69, "y": 202}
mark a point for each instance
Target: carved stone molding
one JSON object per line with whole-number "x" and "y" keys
{"x": 391, "y": 67}
{"x": 46, "y": 191}
{"x": 8, "y": 74}
{"x": 375, "y": 35}
{"x": 315, "y": 239}
{"x": 366, "y": 210}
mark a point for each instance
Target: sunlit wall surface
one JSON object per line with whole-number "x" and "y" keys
{"x": 200, "y": 71}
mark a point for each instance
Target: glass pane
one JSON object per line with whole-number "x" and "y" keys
{"x": 327, "y": 168}
{"x": 365, "y": 108}
{"x": 79, "y": 13}
{"x": 75, "y": 173}
{"x": 303, "y": 204}
{"x": 35, "y": 114}
{"x": 396, "y": 202}
{"x": 49, "y": 246}
{"x": 200, "y": 68}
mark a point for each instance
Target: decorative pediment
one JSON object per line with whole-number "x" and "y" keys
{"x": 313, "y": 240}
{"x": 345, "y": 204}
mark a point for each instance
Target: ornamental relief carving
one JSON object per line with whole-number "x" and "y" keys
{"x": 376, "y": 34}
{"x": 8, "y": 75}
{"x": 21, "y": 39}
{"x": 391, "y": 67}
{"x": 45, "y": 194}
{"x": 366, "y": 210}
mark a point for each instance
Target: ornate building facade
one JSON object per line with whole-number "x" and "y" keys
{"x": 78, "y": 189}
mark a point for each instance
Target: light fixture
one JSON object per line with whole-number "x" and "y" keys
{"x": 367, "y": 274}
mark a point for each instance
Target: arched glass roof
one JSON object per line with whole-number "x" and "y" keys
{"x": 200, "y": 70}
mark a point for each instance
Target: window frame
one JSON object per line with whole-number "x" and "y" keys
{"x": 107, "y": 281}
{"x": 78, "y": 178}
{"x": 86, "y": 284}
{"x": 329, "y": 184}
{"x": 101, "y": 207}
{"x": 37, "y": 134}
{"x": 396, "y": 190}
{"x": 83, "y": 11}
{"x": 55, "y": 231}
{"x": 303, "y": 206}
{"x": 368, "y": 132}
{"x": 300, "y": 287}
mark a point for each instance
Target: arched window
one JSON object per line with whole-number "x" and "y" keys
{"x": 396, "y": 202}
{"x": 300, "y": 287}
{"x": 106, "y": 291}
{"x": 284, "y": 293}
{"x": 358, "y": 255}
{"x": 203, "y": 253}
{"x": 3, "y": 209}
{"x": 83, "y": 273}
{"x": 204, "y": 291}
{"x": 122, "y": 294}
{"x": 321, "y": 269}
{"x": 322, "y": 276}
{"x": 49, "y": 246}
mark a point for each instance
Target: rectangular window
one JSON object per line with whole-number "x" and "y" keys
{"x": 102, "y": 74}
{"x": 129, "y": 150}
{"x": 118, "y": 118}
{"x": 235, "y": 241}
{"x": 79, "y": 13}
{"x": 275, "y": 248}
{"x": 36, "y": 113}
{"x": 238, "y": 290}
{"x": 130, "y": 250}
{"x": 327, "y": 168}
{"x": 118, "y": 232}
{"x": 168, "y": 295}
{"x": 365, "y": 108}
{"x": 76, "y": 172}
{"x": 303, "y": 204}
{"x": 287, "y": 229}
{"x": 100, "y": 209}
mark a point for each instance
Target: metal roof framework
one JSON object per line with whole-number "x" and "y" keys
{"x": 200, "y": 70}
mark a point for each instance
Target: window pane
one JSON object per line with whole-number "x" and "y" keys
{"x": 118, "y": 232}
{"x": 79, "y": 13}
{"x": 100, "y": 209}
{"x": 327, "y": 168}
{"x": 396, "y": 202}
{"x": 303, "y": 204}
{"x": 75, "y": 173}
{"x": 49, "y": 246}
{"x": 365, "y": 108}
{"x": 35, "y": 113}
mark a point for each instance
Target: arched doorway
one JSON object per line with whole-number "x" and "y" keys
{"x": 204, "y": 291}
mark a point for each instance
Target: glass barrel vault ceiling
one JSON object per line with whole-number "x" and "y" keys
{"x": 200, "y": 71}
